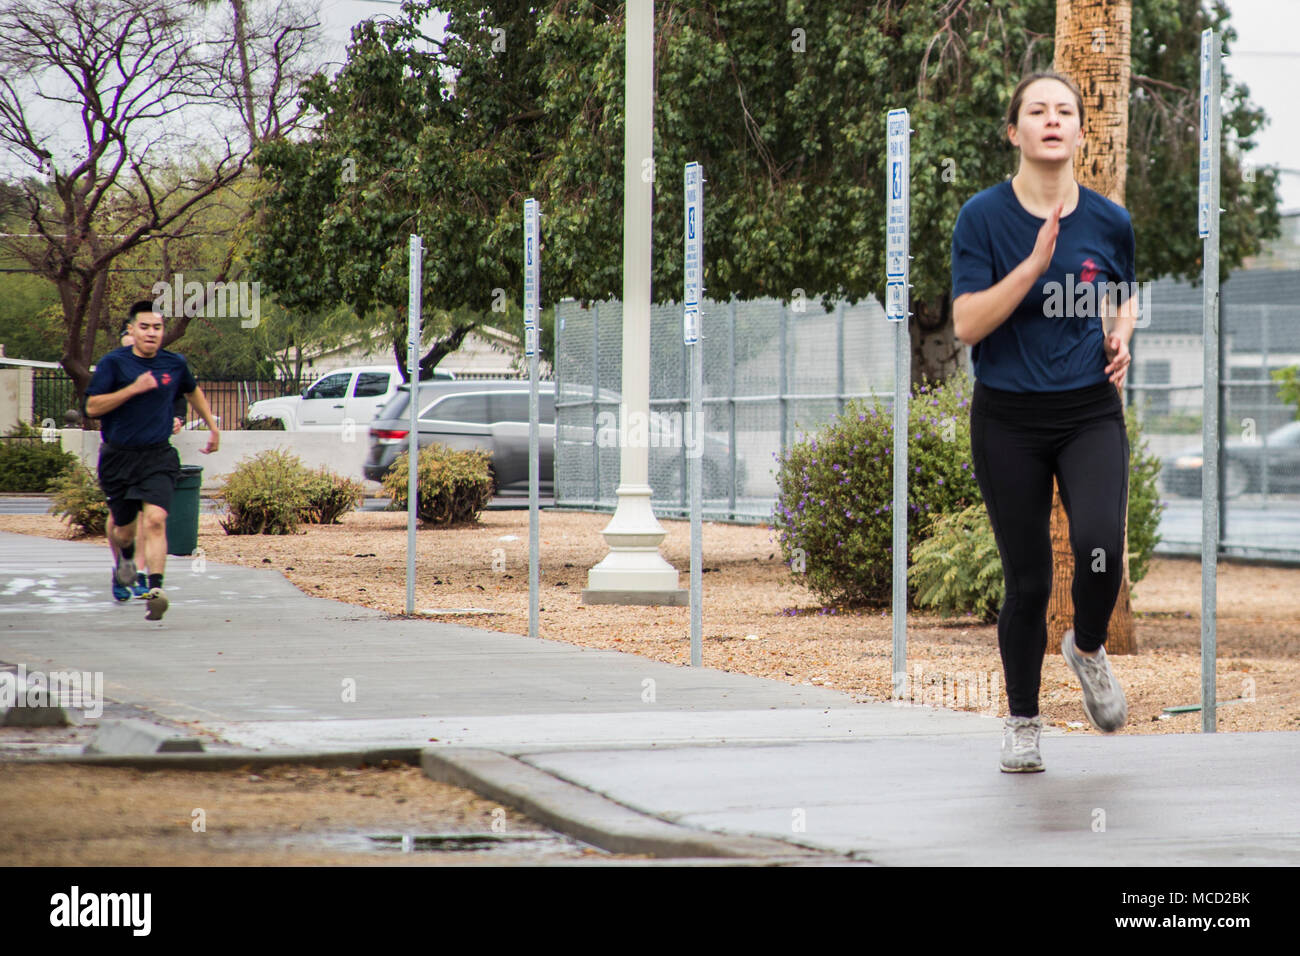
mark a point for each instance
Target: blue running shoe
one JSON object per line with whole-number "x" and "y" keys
{"x": 141, "y": 586}
{"x": 120, "y": 591}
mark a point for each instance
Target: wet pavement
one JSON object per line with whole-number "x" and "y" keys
{"x": 245, "y": 656}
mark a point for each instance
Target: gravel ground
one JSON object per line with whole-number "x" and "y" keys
{"x": 287, "y": 816}
{"x": 758, "y": 620}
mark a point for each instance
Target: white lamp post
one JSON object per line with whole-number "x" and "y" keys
{"x": 634, "y": 572}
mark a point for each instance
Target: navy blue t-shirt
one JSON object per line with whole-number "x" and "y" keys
{"x": 1054, "y": 340}
{"x": 144, "y": 419}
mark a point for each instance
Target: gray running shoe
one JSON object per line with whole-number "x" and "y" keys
{"x": 1020, "y": 745}
{"x": 1103, "y": 698}
{"x": 156, "y": 601}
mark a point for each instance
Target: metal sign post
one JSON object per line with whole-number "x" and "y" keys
{"x": 532, "y": 298}
{"x": 898, "y": 177}
{"x": 414, "y": 278}
{"x": 1208, "y": 229}
{"x": 693, "y": 289}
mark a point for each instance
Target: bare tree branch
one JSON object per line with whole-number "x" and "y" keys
{"x": 167, "y": 109}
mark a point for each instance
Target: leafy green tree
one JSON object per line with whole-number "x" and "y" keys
{"x": 1163, "y": 155}
{"x": 397, "y": 152}
{"x": 29, "y": 319}
{"x": 785, "y": 109}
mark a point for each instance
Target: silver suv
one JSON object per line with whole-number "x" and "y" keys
{"x": 464, "y": 415}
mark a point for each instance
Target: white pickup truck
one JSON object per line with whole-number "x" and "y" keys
{"x": 346, "y": 394}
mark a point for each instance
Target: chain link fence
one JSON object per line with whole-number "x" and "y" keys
{"x": 1259, "y": 433}
{"x": 772, "y": 373}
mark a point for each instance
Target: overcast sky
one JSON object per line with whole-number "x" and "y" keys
{"x": 1266, "y": 57}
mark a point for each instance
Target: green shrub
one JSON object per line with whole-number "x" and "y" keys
{"x": 454, "y": 486}
{"x": 79, "y": 500}
{"x": 330, "y": 496}
{"x": 955, "y": 566}
{"x": 265, "y": 494}
{"x": 957, "y": 569}
{"x": 28, "y": 463}
{"x": 1144, "y": 507}
{"x": 274, "y": 492}
{"x": 835, "y": 488}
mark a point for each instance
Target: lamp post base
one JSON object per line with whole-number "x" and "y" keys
{"x": 634, "y": 572}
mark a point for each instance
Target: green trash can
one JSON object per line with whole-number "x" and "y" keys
{"x": 183, "y": 518}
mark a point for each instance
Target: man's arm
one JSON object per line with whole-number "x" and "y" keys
{"x": 199, "y": 402}
{"x": 97, "y": 406}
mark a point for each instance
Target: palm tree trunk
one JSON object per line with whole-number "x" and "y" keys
{"x": 1092, "y": 48}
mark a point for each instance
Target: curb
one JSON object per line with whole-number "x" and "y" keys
{"x": 136, "y": 736}
{"x": 218, "y": 760}
{"x": 51, "y": 715}
{"x": 548, "y": 800}
{"x": 593, "y": 818}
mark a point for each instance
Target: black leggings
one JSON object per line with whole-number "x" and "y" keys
{"x": 1018, "y": 442}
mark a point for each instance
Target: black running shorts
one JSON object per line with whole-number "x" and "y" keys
{"x": 132, "y": 477}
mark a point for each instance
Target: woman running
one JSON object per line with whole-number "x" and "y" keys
{"x": 1037, "y": 260}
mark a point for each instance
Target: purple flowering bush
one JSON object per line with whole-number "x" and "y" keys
{"x": 833, "y": 512}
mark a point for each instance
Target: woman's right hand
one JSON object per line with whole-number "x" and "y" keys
{"x": 1045, "y": 246}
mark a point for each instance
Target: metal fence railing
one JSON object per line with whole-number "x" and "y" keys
{"x": 230, "y": 398}
{"x": 54, "y": 394}
{"x": 771, "y": 374}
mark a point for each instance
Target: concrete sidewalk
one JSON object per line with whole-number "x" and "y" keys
{"x": 244, "y": 655}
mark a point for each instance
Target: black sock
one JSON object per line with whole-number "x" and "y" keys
{"x": 155, "y": 581}
{"x": 128, "y": 550}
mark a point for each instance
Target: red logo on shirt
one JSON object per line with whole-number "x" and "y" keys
{"x": 1089, "y": 270}
{"x": 166, "y": 378}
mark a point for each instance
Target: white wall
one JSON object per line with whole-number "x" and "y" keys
{"x": 15, "y": 397}
{"x": 314, "y": 448}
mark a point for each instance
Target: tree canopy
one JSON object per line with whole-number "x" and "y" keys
{"x": 784, "y": 108}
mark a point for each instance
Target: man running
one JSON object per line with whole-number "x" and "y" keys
{"x": 141, "y": 586}
{"x": 132, "y": 392}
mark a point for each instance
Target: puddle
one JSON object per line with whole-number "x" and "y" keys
{"x": 539, "y": 846}
{"x": 450, "y": 842}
